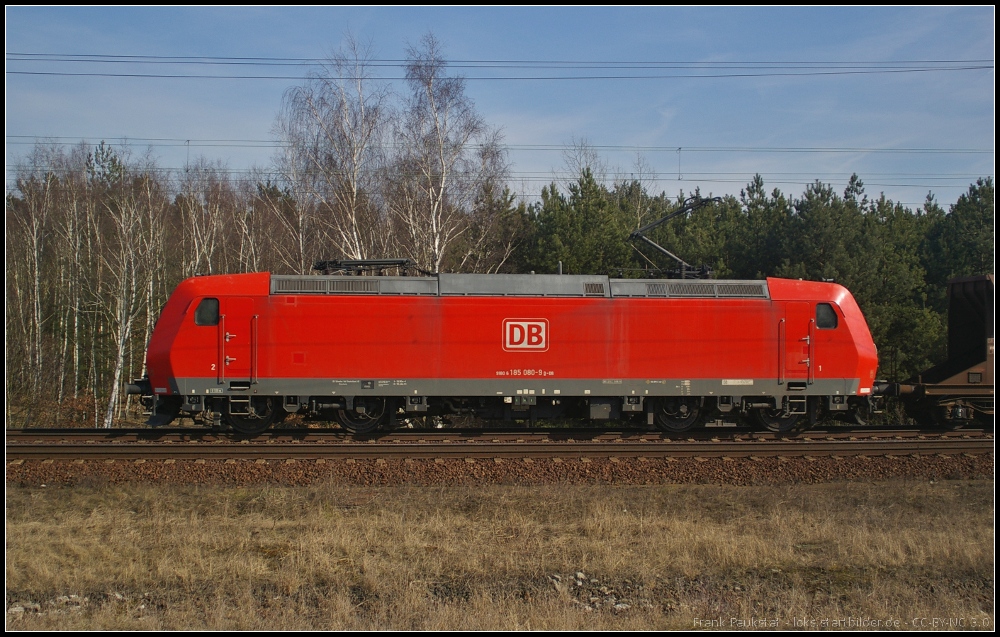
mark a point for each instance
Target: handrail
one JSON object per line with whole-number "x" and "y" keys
{"x": 222, "y": 349}
{"x": 811, "y": 365}
{"x": 781, "y": 352}
{"x": 254, "y": 372}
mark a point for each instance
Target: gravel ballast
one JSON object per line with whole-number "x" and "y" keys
{"x": 738, "y": 471}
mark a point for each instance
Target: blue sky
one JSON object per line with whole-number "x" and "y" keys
{"x": 905, "y": 133}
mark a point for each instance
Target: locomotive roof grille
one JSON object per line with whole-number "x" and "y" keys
{"x": 323, "y": 285}
{"x": 523, "y": 285}
{"x": 550, "y": 285}
{"x": 693, "y": 289}
{"x": 382, "y": 285}
{"x": 722, "y": 289}
{"x": 358, "y": 285}
{"x": 740, "y": 289}
{"x": 298, "y": 285}
{"x": 656, "y": 289}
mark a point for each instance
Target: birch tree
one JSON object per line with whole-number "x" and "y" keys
{"x": 335, "y": 129}
{"x": 203, "y": 189}
{"x": 31, "y": 222}
{"x": 445, "y": 155}
{"x": 70, "y": 231}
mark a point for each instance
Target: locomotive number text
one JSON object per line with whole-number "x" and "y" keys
{"x": 539, "y": 373}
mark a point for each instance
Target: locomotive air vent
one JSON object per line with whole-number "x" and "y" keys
{"x": 356, "y": 285}
{"x": 283, "y": 284}
{"x": 741, "y": 289}
{"x": 593, "y": 289}
{"x": 691, "y": 289}
{"x": 299, "y": 285}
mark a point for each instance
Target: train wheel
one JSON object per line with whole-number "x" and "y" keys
{"x": 943, "y": 419}
{"x": 776, "y": 420}
{"x": 263, "y": 412}
{"x": 374, "y": 415}
{"x": 677, "y": 414}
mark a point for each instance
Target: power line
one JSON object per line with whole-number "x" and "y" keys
{"x": 205, "y": 59}
{"x": 543, "y": 175}
{"x": 512, "y": 77}
{"x": 752, "y": 68}
{"x": 266, "y": 143}
{"x": 690, "y": 179}
{"x": 803, "y": 179}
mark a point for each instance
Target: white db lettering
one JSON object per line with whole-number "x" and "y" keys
{"x": 526, "y": 334}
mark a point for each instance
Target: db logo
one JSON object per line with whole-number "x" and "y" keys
{"x": 526, "y": 334}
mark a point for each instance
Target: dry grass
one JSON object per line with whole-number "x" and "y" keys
{"x": 335, "y": 557}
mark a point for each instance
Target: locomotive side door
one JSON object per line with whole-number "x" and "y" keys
{"x": 237, "y": 340}
{"x": 796, "y": 336}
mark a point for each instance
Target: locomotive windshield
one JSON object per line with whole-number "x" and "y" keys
{"x": 207, "y": 312}
{"x": 826, "y": 317}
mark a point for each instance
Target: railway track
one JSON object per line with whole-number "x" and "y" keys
{"x": 306, "y": 444}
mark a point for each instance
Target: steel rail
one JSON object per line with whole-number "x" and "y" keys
{"x": 17, "y": 436}
{"x": 443, "y": 449}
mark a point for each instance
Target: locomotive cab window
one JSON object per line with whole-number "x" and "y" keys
{"x": 826, "y": 316}
{"x": 207, "y": 312}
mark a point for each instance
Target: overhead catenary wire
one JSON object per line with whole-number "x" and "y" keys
{"x": 509, "y": 77}
{"x": 569, "y": 70}
{"x": 682, "y": 68}
{"x": 270, "y": 143}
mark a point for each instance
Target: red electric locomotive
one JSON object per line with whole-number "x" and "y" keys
{"x": 366, "y": 350}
